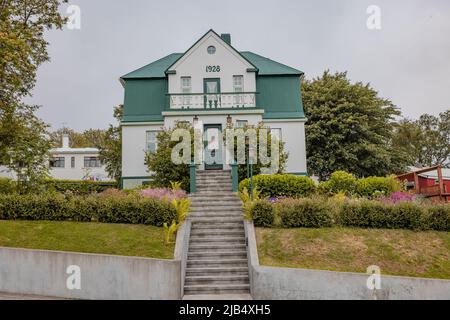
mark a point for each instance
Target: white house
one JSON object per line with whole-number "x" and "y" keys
{"x": 211, "y": 83}
{"x": 71, "y": 164}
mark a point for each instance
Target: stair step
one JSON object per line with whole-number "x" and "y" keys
{"x": 216, "y": 219}
{"x": 204, "y": 233}
{"x": 219, "y": 238}
{"x": 217, "y": 253}
{"x": 217, "y": 289}
{"x": 217, "y": 225}
{"x": 217, "y": 263}
{"x": 205, "y": 247}
{"x": 216, "y": 279}
{"x": 217, "y": 271}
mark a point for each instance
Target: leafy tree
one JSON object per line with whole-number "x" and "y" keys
{"x": 349, "y": 128}
{"x": 111, "y": 147}
{"x": 23, "y": 137}
{"x": 426, "y": 141}
{"x": 160, "y": 164}
{"x": 85, "y": 139}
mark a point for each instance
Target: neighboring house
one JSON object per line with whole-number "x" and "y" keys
{"x": 71, "y": 164}
{"x": 432, "y": 182}
{"x": 210, "y": 84}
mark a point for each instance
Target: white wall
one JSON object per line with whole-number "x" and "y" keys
{"x": 133, "y": 149}
{"x": 293, "y": 134}
{"x": 194, "y": 64}
{"x": 79, "y": 171}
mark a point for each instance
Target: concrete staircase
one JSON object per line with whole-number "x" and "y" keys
{"x": 217, "y": 254}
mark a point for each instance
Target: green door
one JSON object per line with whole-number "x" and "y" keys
{"x": 211, "y": 90}
{"x": 213, "y": 146}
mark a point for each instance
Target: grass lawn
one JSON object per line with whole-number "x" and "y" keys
{"x": 106, "y": 238}
{"x": 396, "y": 252}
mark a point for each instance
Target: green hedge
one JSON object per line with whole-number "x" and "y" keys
{"x": 112, "y": 209}
{"x": 7, "y": 186}
{"x": 307, "y": 213}
{"x": 281, "y": 185}
{"x": 263, "y": 213}
{"x": 80, "y": 187}
{"x": 375, "y": 214}
{"x": 362, "y": 213}
{"x": 341, "y": 181}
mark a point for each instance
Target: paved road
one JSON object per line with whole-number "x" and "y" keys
{"x": 16, "y": 296}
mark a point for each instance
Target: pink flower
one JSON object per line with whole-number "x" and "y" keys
{"x": 163, "y": 194}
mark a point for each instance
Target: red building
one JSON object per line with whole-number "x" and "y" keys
{"x": 432, "y": 182}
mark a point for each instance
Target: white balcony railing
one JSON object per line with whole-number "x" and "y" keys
{"x": 212, "y": 101}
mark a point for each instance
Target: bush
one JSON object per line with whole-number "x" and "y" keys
{"x": 339, "y": 182}
{"x": 79, "y": 187}
{"x": 372, "y": 186}
{"x": 7, "y": 186}
{"x": 263, "y": 213}
{"x": 280, "y": 185}
{"x": 308, "y": 213}
{"x": 375, "y": 214}
{"x": 57, "y": 207}
{"x": 438, "y": 217}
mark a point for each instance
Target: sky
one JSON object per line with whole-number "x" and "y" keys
{"x": 407, "y": 59}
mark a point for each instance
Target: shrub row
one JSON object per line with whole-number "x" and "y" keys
{"x": 281, "y": 185}
{"x": 322, "y": 212}
{"x": 80, "y": 187}
{"x": 7, "y": 186}
{"x": 344, "y": 182}
{"x": 57, "y": 207}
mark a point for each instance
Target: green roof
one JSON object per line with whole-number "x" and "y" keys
{"x": 265, "y": 66}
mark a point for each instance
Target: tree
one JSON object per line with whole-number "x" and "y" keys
{"x": 110, "y": 147}
{"x": 85, "y": 139}
{"x": 349, "y": 128}
{"x": 23, "y": 137}
{"x": 426, "y": 140}
{"x": 160, "y": 162}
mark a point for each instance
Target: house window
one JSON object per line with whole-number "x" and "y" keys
{"x": 72, "y": 162}
{"x": 57, "y": 162}
{"x": 241, "y": 123}
{"x": 92, "y": 162}
{"x": 152, "y": 141}
{"x": 211, "y": 49}
{"x": 186, "y": 87}
{"x": 276, "y": 132}
{"x": 238, "y": 87}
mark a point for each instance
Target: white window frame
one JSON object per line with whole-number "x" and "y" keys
{"x": 186, "y": 99}
{"x": 239, "y": 122}
{"x": 148, "y": 142}
{"x": 238, "y": 87}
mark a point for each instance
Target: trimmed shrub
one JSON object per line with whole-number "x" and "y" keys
{"x": 373, "y": 186}
{"x": 79, "y": 187}
{"x": 263, "y": 213}
{"x": 438, "y": 217}
{"x": 281, "y": 185}
{"x": 339, "y": 182}
{"x": 308, "y": 213}
{"x": 57, "y": 207}
{"x": 376, "y": 214}
{"x": 7, "y": 186}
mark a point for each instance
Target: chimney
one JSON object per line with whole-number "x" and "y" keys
{"x": 65, "y": 141}
{"x": 226, "y": 37}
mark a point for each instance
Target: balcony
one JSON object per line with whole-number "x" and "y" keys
{"x": 179, "y": 101}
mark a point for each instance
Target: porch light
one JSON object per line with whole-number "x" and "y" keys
{"x": 195, "y": 120}
{"x": 229, "y": 120}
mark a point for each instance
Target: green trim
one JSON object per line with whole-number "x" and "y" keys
{"x": 143, "y": 123}
{"x": 298, "y": 173}
{"x": 202, "y": 93}
{"x": 143, "y": 118}
{"x": 252, "y": 70}
{"x": 171, "y": 72}
{"x": 196, "y": 42}
{"x": 215, "y": 166}
{"x": 184, "y": 112}
{"x": 285, "y": 120}
{"x": 284, "y": 115}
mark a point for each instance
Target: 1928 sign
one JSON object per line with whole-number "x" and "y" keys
{"x": 212, "y": 68}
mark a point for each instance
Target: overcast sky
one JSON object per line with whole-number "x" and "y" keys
{"x": 407, "y": 61}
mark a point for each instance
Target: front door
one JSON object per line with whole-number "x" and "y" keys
{"x": 213, "y": 146}
{"x": 211, "y": 90}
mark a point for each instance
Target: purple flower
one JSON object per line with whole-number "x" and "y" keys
{"x": 163, "y": 193}
{"x": 399, "y": 196}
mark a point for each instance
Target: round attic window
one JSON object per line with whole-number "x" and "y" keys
{"x": 211, "y": 49}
